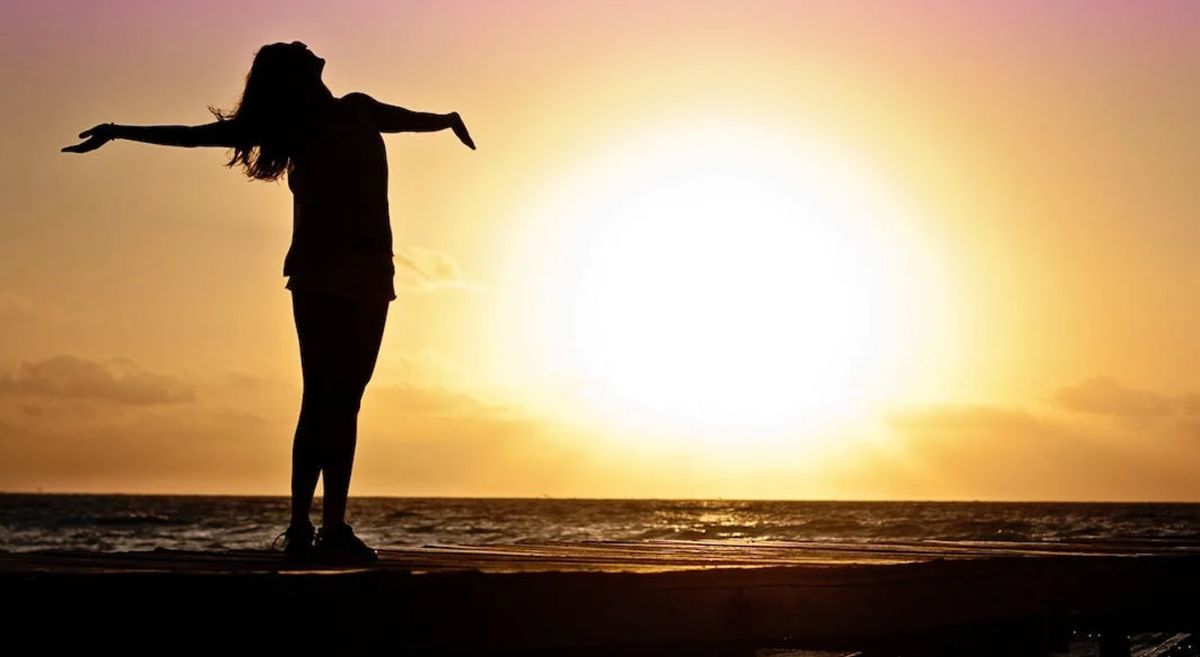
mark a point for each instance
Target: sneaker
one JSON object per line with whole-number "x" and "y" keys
{"x": 297, "y": 542}
{"x": 339, "y": 545}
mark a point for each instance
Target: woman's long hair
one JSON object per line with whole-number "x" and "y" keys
{"x": 276, "y": 111}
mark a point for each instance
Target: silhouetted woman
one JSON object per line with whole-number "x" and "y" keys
{"x": 340, "y": 262}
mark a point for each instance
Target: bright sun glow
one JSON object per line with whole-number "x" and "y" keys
{"x": 720, "y": 276}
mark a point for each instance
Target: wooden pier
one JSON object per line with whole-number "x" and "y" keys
{"x": 661, "y": 598}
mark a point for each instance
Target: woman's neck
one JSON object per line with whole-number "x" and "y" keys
{"x": 325, "y": 94}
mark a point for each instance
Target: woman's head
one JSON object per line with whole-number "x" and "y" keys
{"x": 282, "y": 97}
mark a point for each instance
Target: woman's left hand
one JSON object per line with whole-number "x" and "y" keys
{"x": 460, "y": 130}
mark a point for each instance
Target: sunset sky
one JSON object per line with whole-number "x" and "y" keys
{"x": 744, "y": 249}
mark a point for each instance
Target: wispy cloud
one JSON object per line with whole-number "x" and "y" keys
{"x": 22, "y": 307}
{"x": 1105, "y": 396}
{"x": 1004, "y": 452}
{"x": 13, "y": 304}
{"x": 425, "y": 270}
{"x": 964, "y": 417}
{"x": 72, "y": 377}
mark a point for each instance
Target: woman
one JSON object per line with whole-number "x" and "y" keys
{"x": 339, "y": 265}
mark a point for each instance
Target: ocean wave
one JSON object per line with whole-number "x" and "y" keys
{"x": 135, "y": 519}
{"x": 106, "y": 523}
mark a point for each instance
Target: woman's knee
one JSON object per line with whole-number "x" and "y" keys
{"x": 332, "y": 398}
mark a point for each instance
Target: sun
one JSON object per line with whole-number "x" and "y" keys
{"x": 706, "y": 297}
{"x": 720, "y": 276}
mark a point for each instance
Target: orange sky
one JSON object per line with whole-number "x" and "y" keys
{"x": 904, "y": 249}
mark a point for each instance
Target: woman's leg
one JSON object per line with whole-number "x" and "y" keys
{"x": 339, "y": 345}
{"x": 306, "y": 462}
{"x": 358, "y": 348}
{"x": 315, "y": 337}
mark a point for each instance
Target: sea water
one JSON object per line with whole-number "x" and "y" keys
{"x": 137, "y": 522}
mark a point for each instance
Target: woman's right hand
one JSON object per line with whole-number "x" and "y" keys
{"x": 460, "y": 130}
{"x": 97, "y": 137}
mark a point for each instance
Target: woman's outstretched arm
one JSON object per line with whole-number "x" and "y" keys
{"x": 392, "y": 118}
{"x": 225, "y": 133}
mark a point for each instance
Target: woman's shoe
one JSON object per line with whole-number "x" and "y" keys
{"x": 339, "y": 545}
{"x": 297, "y": 542}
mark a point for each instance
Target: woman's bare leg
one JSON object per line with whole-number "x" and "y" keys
{"x": 342, "y": 348}
{"x": 306, "y": 460}
{"x": 338, "y": 460}
{"x": 317, "y": 339}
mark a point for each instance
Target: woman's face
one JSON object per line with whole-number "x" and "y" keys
{"x": 308, "y": 56}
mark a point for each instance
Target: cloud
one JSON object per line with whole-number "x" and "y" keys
{"x": 17, "y": 307}
{"x": 422, "y": 439}
{"x": 983, "y": 451}
{"x": 66, "y": 377}
{"x": 424, "y": 270}
{"x": 70, "y": 423}
{"x": 1190, "y": 404}
{"x": 13, "y": 304}
{"x": 1104, "y": 396}
{"x": 436, "y": 401}
{"x": 964, "y": 417}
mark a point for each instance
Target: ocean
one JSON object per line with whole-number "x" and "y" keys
{"x": 140, "y": 522}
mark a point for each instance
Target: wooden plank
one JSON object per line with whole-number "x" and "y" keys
{"x": 625, "y": 597}
{"x": 1165, "y": 647}
{"x": 610, "y": 555}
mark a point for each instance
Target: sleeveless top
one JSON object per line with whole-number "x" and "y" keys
{"x": 341, "y": 228}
